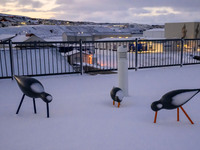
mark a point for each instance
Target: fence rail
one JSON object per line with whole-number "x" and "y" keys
{"x": 51, "y": 58}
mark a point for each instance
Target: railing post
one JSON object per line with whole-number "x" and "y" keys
{"x": 11, "y": 59}
{"x": 136, "y": 54}
{"x": 182, "y": 43}
{"x": 81, "y": 57}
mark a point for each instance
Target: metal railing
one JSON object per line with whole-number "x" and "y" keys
{"x": 51, "y": 58}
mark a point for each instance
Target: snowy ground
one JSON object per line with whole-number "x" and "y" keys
{"x": 82, "y": 116}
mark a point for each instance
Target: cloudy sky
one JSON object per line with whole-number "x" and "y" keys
{"x": 119, "y": 11}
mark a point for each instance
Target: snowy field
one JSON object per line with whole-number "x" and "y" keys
{"x": 82, "y": 116}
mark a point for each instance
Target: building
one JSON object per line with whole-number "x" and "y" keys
{"x": 27, "y": 38}
{"x": 30, "y": 41}
{"x": 157, "y": 33}
{"x": 76, "y": 36}
{"x": 72, "y": 36}
{"x": 185, "y": 30}
{"x": 74, "y": 58}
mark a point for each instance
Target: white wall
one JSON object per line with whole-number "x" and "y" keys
{"x": 154, "y": 33}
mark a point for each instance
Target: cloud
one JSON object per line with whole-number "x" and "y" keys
{"x": 127, "y": 10}
{"x": 6, "y": 1}
{"x": 139, "y": 11}
{"x": 27, "y": 10}
{"x": 125, "y": 4}
{"x": 32, "y": 3}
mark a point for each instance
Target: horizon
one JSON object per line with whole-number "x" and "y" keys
{"x": 141, "y": 12}
{"x": 93, "y": 21}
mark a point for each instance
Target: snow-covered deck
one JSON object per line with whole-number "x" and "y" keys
{"x": 82, "y": 116}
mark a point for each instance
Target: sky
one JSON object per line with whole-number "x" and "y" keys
{"x": 116, "y": 11}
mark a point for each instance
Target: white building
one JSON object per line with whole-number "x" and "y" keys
{"x": 157, "y": 33}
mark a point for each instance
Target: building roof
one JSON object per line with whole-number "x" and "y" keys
{"x": 27, "y": 38}
{"x": 118, "y": 39}
{"x": 4, "y": 37}
{"x": 73, "y": 52}
{"x": 95, "y": 33}
{"x": 156, "y": 29}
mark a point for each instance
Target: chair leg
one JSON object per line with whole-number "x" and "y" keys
{"x": 47, "y": 110}
{"x": 34, "y": 105}
{"x": 20, "y": 104}
{"x": 186, "y": 115}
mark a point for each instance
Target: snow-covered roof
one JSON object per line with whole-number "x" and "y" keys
{"x": 48, "y": 31}
{"x": 6, "y": 36}
{"x": 156, "y": 29}
{"x": 78, "y": 34}
{"x": 75, "y": 51}
{"x": 20, "y": 38}
{"x": 24, "y": 38}
{"x": 118, "y": 39}
{"x": 97, "y": 33}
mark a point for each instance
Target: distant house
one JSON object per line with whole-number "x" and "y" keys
{"x": 30, "y": 40}
{"x": 5, "y": 23}
{"x": 74, "y": 58}
{"x": 2, "y": 19}
{"x": 27, "y": 38}
{"x": 32, "y": 22}
{"x": 86, "y": 36}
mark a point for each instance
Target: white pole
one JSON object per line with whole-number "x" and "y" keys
{"x": 123, "y": 69}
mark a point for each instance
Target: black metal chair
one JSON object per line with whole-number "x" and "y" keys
{"x": 33, "y": 89}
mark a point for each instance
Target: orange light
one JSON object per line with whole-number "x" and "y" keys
{"x": 90, "y": 59}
